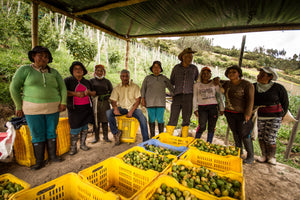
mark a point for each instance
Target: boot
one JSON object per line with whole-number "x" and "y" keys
{"x": 210, "y": 137}
{"x": 152, "y": 129}
{"x": 83, "y": 136}
{"x": 73, "y": 148}
{"x": 249, "y": 148}
{"x": 170, "y": 129}
{"x": 117, "y": 137}
{"x": 263, "y": 157}
{"x": 51, "y": 148}
{"x": 105, "y": 132}
{"x": 39, "y": 152}
{"x": 184, "y": 131}
{"x": 96, "y": 130}
{"x": 271, "y": 149}
{"x": 161, "y": 127}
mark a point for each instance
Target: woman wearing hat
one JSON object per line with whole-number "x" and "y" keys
{"x": 273, "y": 102}
{"x": 239, "y": 95}
{"x": 153, "y": 93}
{"x": 207, "y": 101}
{"x": 79, "y": 105}
{"x": 103, "y": 88}
{"x": 39, "y": 92}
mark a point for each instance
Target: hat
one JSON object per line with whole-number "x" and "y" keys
{"x": 39, "y": 49}
{"x": 100, "y": 66}
{"x": 205, "y": 68}
{"x": 185, "y": 51}
{"x": 80, "y": 64}
{"x": 158, "y": 63}
{"x": 236, "y": 68}
{"x": 270, "y": 70}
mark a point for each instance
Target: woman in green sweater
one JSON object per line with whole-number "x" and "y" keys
{"x": 39, "y": 93}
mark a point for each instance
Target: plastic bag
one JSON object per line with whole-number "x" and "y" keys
{"x": 6, "y": 144}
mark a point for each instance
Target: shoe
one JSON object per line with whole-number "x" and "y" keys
{"x": 117, "y": 137}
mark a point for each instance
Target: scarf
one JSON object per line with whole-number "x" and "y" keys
{"x": 264, "y": 87}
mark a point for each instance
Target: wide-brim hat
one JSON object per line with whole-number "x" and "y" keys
{"x": 270, "y": 70}
{"x": 80, "y": 64}
{"x": 158, "y": 63}
{"x": 185, "y": 51}
{"x": 39, "y": 49}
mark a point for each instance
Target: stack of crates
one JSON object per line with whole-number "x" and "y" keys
{"x": 23, "y": 147}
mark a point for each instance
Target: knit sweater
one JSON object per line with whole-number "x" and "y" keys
{"x": 154, "y": 90}
{"x": 33, "y": 86}
{"x": 275, "y": 100}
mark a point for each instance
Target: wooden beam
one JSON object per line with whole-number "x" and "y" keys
{"x": 242, "y": 51}
{"x": 34, "y": 24}
{"x": 109, "y": 6}
{"x": 127, "y": 53}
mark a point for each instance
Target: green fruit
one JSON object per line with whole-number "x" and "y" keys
{"x": 161, "y": 197}
{"x": 163, "y": 187}
{"x": 236, "y": 184}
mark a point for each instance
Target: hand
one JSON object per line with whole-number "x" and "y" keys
{"x": 19, "y": 113}
{"x": 221, "y": 113}
{"x": 247, "y": 118}
{"x": 116, "y": 111}
{"x": 79, "y": 94}
{"x": 196, "y": 113}
{"x": 86, "y": 93}
{"x": 129, "y": 114}
{"x": 62, "y": 107}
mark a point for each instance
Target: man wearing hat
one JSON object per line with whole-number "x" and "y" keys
{"x": 183, "y": 77}
{"x": 273, "y": 102}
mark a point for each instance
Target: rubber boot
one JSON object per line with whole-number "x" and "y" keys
{"x": 51, "y": 148}
{"x": 249, "y": 148}
{"x": 105, "y": 131}
{"x": 117, "y": 137}
{"x": 271, "y": 149}
{"x": 263, "y": 157}
{"x": 73, "y": 148}
{"x": 170, "y": 129}
{"x": 184, "y": 131}
{"x": 83, "y": 136}
{"x": 152, "y": 129}
{"x": 161, "y": 127}
{"x": 210, "y": 137}
{"x": 97, "y": 131}
{"x": 39, "y": 152}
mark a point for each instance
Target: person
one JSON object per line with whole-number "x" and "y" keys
{"x": 39, "y": 93}
{"x": 273, "y": 102}
{"x": 79, "y": 105}
{"x": 183, "y": 77}
{"x": 125, "y": 99}
{"x": 207, "y": 102}
{"x": 239, "y": 99}
{"x": 103, "y": 88}
{"x": 154, "y": 96}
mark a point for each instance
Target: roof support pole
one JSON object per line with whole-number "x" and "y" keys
{"x": 34, "y": 24}
{"x": 127, "y": 52}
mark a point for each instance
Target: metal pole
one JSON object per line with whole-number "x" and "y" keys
{"x": 34, "y": 24}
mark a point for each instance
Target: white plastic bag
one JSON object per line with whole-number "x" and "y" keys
{"x": 6, "y": 145}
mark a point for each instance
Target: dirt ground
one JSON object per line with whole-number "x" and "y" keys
{"x": 262, "y": 181}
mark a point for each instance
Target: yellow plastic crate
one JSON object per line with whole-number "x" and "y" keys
{"x": 170, "y": 182}
{"x": 14, "y": 179}
{"x": 67, "y": 187}
{"x": 233, "y": 176}
{"x": 129, "y": 127}
{"x": 141, "y": 149}
{"x": 112, "y": 175}
{"x": 191, "y": 146}
{"x": 213, "y": 161}
{"x": 23, "y": 147}
{"x": 173, "y": 140}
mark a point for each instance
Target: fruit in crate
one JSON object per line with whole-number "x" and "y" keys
{"x": 147, "y": 161}
{"x": 207, "y": 181}
{"x": 8, "y": 188}
{"x": 166, "y": 192}
{"x": 161, "y": 150}
{"x": 215, "y": 148}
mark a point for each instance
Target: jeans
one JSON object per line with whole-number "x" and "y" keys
{"x": 156, "y": 113}
{"x": 42, "y": 127}
{"x": 138, "y": 114}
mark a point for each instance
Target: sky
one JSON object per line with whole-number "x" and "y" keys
{"x": 287, "y": 40}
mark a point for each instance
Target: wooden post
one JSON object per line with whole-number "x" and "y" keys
{"x": 34, "y": 24}
{"x": 126, "y": 56}
{"x": 293, "y": 136}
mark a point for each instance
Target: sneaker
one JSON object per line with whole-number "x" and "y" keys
{"x": 262, "y": 159}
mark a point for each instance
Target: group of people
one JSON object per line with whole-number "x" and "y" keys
{"x": 40, "y": 93}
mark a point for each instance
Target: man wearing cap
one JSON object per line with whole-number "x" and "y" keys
{"x": 273, "y": 102}
{"x": 183, "y": 77}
